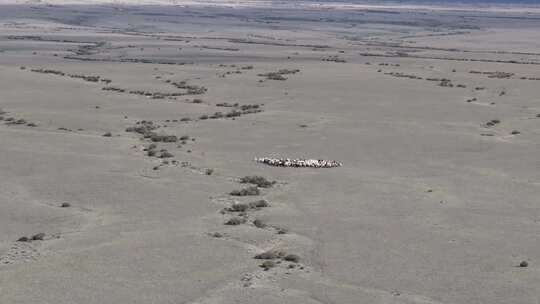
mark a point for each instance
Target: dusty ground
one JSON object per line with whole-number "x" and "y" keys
{"x": 435, "y": 115}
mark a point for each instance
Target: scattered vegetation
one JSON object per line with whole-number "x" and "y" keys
{"x": 493, "y": 122}
{"x": 38, "y": 237}
{"x": 292, "y": 258}
{"x": 259, "y": 181}
{"x": 166, "y": 154}
{"x": 246, "y": 191}
{"x": 237, "y": 220}
{"x": 267, "y": 265}
{"x": 259, "y": 204}
{"x": 162, "y": 138}
{"x": 239, "y": 207}
{"x": 191, "y": 89}
{"x": 217, "y": 234}
{"x": 334, "y": 58}
{"x": 259, "y": 223}
{"x": 279, "y": 75}
{"x": 270, "y": 255}
{"x": 281, "y": 230}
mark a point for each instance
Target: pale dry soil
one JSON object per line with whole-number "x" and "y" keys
{"x": 432, "y": 205}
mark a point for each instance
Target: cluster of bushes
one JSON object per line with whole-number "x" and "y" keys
{"x": 36, "y": 237}
{"x": 243, "y": 207}
{"x": 334, "y": 58}
{"x": 48, "y": 71}
{"x": 162, "y": 138}
{"x": 13, "y": 121}
{"x": 191, "y": 89}
{"x": 403, "y": 75}
{"x": 272, "y": 255}
{"x": 279, "y": 74}
{"x": 257, "y": 180}
{"x": 227, "y": 105}
{"x": 88, "y": 78}
{"x": 497, "y": 74}
{"x": 115, "y": 89}
{"x": 146, "y": 128}
{"x": 231, "y": 114}
{"x": 493, "y": 122}
{"x": 386, "y": 64}
{"x": 142, "y": 127}
{"x": 152, "y": 151}
{"x": 237, "y": 105}
{"x": 155, "y": 95}
{"x": 252, "y": 190}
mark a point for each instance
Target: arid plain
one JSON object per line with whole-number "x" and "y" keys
{"x": 125, "y": 130}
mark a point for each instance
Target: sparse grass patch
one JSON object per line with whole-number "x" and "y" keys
{"x": 259, "y": 223}
{"x": 260, "y": 181}
{"x": 266, "y": 265}
{"x": 246, "y": 191}
{"x": 238, "y": 207}
{"x": 38, "y": 237}
{"x": 166, "y": 154}
{"x": 259, "y": 204}
{"x": 493, "y": 122}
{"x": 292, "y": 258}
{"x": 281, "y": 230}
{"x": 237, "y": 220}
{"x": 163, "y": 138}
{"x": 270, "y": 255}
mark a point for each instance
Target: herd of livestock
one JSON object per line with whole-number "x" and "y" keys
{"x": 299, "y": 163}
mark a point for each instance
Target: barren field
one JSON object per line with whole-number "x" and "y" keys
{"x": 129, "y": 133}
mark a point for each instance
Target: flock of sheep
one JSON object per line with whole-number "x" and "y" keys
{"x": 295, "y": 162}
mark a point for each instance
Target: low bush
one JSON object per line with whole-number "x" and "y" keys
{"x": 260, "y": 181}
{"x": 246, "y": 191}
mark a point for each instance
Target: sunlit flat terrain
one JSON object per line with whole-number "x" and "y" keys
{"x": 125, "y": 129}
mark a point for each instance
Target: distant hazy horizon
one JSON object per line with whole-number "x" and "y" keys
{"x": 441, "y": 3}
{"x": 438, "y": 2}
